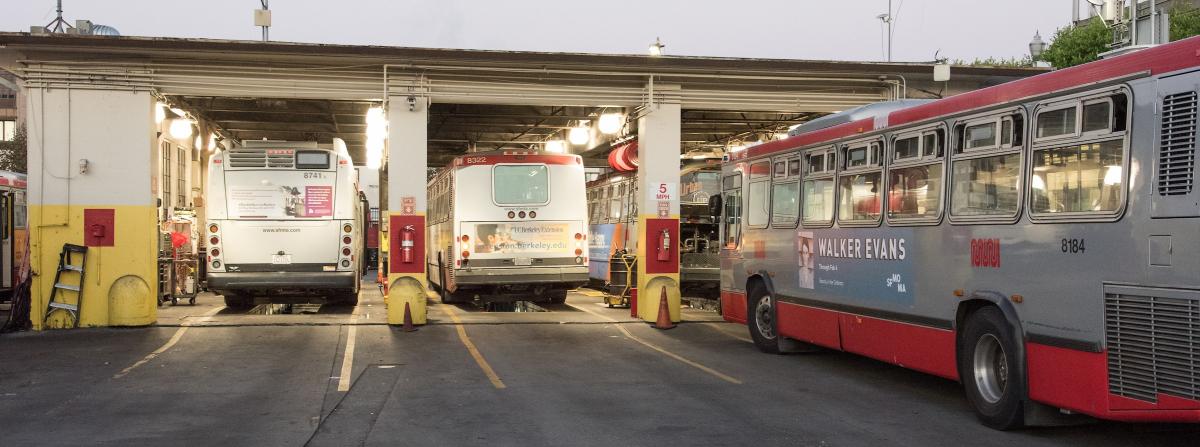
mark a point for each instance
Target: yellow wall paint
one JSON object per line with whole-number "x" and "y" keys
{"x": 121, "y": 282}
{"x": 650, "y": 287}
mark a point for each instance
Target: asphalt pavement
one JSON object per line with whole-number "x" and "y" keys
{"x": 579, "y": 374}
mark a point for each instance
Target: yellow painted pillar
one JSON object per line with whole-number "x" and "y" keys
{"x": 406, "y": 201}
{"x": 658, "y": 204}
{"x": 90, "y": 169}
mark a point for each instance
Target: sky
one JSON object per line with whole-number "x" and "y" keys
{"x": 786, "y": 29}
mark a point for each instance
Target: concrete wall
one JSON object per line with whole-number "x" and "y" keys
{"x": 114, "y": 132}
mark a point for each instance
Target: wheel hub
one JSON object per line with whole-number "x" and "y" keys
{"x": 990, "y": 367}
{"x": 764, "y": 316}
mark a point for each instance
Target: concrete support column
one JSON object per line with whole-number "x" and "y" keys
{"x": 406, "y": 160}
{"x": 90, "y": 170}
{"x": 658, "y": 203}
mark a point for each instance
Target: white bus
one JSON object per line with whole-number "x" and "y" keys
{"x": 508, "y": 226}
{"x": 284, "y": 220}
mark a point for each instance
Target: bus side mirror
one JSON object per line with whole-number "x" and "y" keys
{"x": 714, "y": 205}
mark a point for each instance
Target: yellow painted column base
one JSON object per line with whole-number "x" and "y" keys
{"x": 120, "y": 286}
{"x": 406, "y": 288}
{"x": 650, "y": 297}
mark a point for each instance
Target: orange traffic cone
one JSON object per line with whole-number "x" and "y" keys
{"x": 408, "y": 324}
{"x": 664, "y": 314}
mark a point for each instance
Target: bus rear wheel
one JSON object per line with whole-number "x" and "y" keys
{"x": 237, "y": 301}
{"x": 988, "y": 368}
{"x": 762, "y": 320}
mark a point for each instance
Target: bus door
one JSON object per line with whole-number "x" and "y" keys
{"x": 6, "y": 240}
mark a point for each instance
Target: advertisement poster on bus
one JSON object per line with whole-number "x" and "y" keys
{"x": 604, "y": 240}
{"x": 870, "y": 265}
{"x": 280, "y": 195}
{"x": 521, "y": 237}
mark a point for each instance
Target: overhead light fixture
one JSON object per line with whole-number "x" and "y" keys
{"x": 178, "y": 112}
{"x": 579, "y": 135}
{"x": 555, "y": 146}
{"x": 181, "y": 129}
{"x": 212, "y": 142}
{"x": 610, "y": 123}
{"x": 160, "y": 112}
{"x": 374, "y": 153}
{"x": 198, "y": 142}
{"x": 656, "y": 48}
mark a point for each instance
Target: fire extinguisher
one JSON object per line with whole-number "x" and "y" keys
{"x": 664, "y": 248}
{"x": 406, "y": 244}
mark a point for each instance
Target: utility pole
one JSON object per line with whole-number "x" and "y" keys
{"x": 262, "y": 18}
{"x": 57, "y": 25}
{"x": 887, "y": 19}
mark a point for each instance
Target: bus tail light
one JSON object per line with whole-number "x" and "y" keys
{"x": 345, "y": 251}
{"x": 578, "y": 252}
{"x": 214, "y": 240}
{"x": 466, "y": 254}
{"x": 347, "y": 228}
{"x": 216, "y": 252}
{"x": 212, "y": 228}
{"x": 346, "y": 240}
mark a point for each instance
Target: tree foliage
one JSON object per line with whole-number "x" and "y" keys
{"x": 1022, "y": 61}
{"x": 14, "y": 154}
{"x": 1184, "y": 22}
{"x": 1076, "y": 45}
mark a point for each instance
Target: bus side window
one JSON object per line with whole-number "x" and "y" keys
{"x": 758, "y": 196}
{"x": 733, "y": 211}
{"x": 985, "y": 170}
{"x": 1084, "y": 173}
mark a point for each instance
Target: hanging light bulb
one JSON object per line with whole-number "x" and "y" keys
{"x": 555, "y": 146}
{"x": 198, "y": 142}
{"x": 579, "y": 135}
{"x": 212, "y": 142}
{"x": 610, "y": 123}
{"x": 181, "y": 129}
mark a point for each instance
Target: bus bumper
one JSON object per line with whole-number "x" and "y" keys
{"x": 573, "y": 276}
{"x": 282, "y": 280}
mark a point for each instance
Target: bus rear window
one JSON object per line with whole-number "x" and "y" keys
{"x": 521, "y": 184}
{"x": 312, "y": 160}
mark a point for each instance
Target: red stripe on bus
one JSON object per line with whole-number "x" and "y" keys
{"x": 810, "y": 324}
{"x": 733, "y": 306}
{"x": 920, "y": 348}
{"x": 481, "y": 160}
{"x": 1078, "y": 381}
{"x": 1158, "y": 60}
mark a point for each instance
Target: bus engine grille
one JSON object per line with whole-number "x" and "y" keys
{"x": 1177, "y": 147}
{"x": 259, "y": 158}
{"x": 1153, "y": 338}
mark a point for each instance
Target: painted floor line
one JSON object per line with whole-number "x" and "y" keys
{"x": 717, "y": 327}
{"x": 347, "y": 360}
{"x": 161, "y": 349}
{"x": 680, "y": 358}
{"x": 466, "y": 341}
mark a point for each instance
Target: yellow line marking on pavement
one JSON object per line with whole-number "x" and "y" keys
{"x": 684, "y": 360}
{"x": 718, "y": 327}
{"x": 347, "y": 360}
{"x": 466, "y": 341}
{"x": 161, "y": 349}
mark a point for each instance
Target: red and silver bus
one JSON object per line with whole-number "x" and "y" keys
{"x": 1033, "y": 240}
{"x": 508, "y": 226}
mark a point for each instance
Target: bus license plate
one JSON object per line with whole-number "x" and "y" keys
{"x": 522, "y": 261}
{"x": 281, "y": 259}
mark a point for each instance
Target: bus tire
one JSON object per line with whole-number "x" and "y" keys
{"x": 237, "y": 301}
{"x": 761, "y": 320}
{"x": 557, "y": 296}
{"x": 348, "y": 298}
{"x": 988, "y": 369}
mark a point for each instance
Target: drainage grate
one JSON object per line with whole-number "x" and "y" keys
{"x": 1177, "y": 145}
{"x": 1153, "y": 338}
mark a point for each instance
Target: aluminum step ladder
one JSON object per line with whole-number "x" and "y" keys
{"x": 57, "y": 303}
